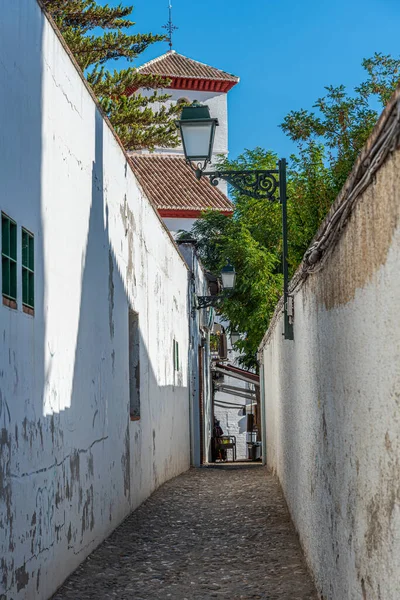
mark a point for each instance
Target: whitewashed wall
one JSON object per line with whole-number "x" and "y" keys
{"x": 231, "y": 417}
{"x": 232, "y": 421}
{"x": 333, "y": 404}
{"x": 216, "y": 101}
{"x": 199, "y": 344}
{"x": 72, "y": 464}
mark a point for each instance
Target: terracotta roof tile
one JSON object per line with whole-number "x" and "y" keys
{"x": 173, "y": 64}
{"x": 172, "y": 187}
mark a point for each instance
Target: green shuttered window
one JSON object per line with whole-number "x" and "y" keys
{"x": 9, "y": 257}
{"x": 28, "y": 269}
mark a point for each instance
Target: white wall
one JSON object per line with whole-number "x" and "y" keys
{"x": 72, "y": 464}
{"x": 332, "y": 404}
{"x": 216, "y": 101}
{"x": 199, "y": 343}
{"x": 232, "y": 420}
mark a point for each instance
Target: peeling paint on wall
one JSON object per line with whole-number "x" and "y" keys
{"x": 72, "y": 464}
{"x": 7, "y": 517}
{"x": 128, "y": 221}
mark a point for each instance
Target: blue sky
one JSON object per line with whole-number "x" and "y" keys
{"x": 285, "y": 52}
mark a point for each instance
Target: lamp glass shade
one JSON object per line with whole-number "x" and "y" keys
{"x": 228, "y": 276}
{"x": 197, "y": 132}
{"x": 198, "y": 139}
{"x": 235, "y": 337}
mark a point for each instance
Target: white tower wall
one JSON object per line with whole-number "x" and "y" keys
{"x": 216, "y": 101}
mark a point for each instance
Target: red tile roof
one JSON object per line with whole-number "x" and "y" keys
{"x": 187, "y": 73}
{"x": 171, "y": 185}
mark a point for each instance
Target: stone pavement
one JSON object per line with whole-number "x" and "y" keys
{"x": 216, "y": 532}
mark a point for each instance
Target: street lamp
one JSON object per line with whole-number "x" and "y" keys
{"x": 198, "y": 132}
{"x": 228, "y": 276}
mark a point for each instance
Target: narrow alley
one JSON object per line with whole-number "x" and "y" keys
{"x": 216, "y": 532}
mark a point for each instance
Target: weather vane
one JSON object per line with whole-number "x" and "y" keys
{"x": 170, "y": 27}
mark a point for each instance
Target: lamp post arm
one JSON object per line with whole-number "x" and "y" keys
{"x": 205, "y": 301}
{"x": 261, "y": 184}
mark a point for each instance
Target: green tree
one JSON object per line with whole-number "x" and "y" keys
{"x": 251, "y": 240}
{"x": 329, "y": 140}
{"x": 312, "y": 190}
{"x": 98, "y": 34}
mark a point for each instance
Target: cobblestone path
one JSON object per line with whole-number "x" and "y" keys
{"x": 217, "y": 532}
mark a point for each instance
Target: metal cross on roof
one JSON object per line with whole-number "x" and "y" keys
{"x": 170, "y": 27}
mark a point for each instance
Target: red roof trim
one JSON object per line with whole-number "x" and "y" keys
{"x": 186, "y": 214}
{"x": 194, "y": 83}
{"x": 191, "y": 83}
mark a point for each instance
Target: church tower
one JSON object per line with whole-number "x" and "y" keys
{"x": 192, "y": 80}
{"x": 164, "y": 175}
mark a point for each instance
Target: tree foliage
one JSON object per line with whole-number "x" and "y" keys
{"x": 329, "y": 139}
{"x": 251, "y": 240}
{"x": 98, "y": 34}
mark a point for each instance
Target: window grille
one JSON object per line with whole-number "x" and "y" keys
{"x": 28, "y": 269}
{"x": 9, "y": 257}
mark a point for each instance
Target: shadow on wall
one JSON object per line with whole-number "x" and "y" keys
{"x": 68, "y": 465}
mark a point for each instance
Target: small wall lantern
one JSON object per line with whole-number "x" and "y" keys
{"x": 228, "y": 276}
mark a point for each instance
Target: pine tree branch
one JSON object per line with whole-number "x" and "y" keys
{"x": 136, "y": 123}
{"x": 85, "y": 15}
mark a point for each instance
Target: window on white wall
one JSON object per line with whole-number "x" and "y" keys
{"x": 28, "y": 271}
{"x": 9, "y": 260}
{"x": 134, "y": 365}
{"x": 176, "y": 356}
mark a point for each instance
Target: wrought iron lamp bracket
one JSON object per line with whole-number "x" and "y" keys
{"x": 258, "y": 184}
{"x": 261, "y": 185}
{"x": 206, "y": 301}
